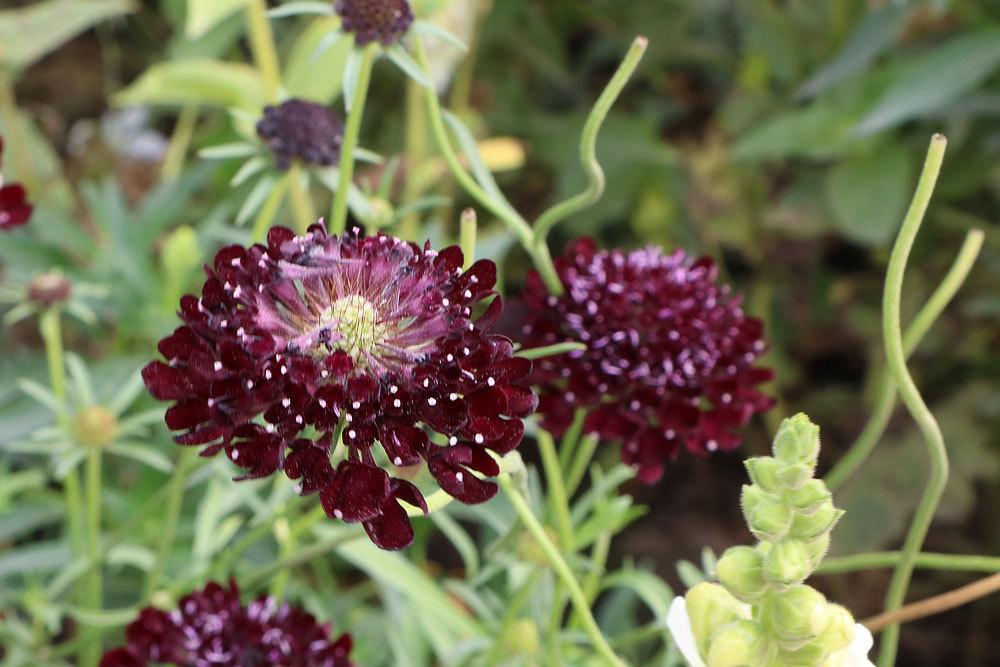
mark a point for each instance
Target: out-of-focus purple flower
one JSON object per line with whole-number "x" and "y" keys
{"x": 301, "y": 130}
{"x": 670, "y": 354}
{"x": 212, "y": 627}
{"x": 384, "y": 21}
{"x": 372, "y": 334}
{"x": 15, "y": 210}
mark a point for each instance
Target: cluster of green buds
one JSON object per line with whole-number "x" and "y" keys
{"x": 762, "y": 613}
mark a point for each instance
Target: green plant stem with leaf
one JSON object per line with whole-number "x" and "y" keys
{"x": 262, "y": 46}
{"x": 886, "y": 390}
{"x": 562, "y": 570}
{"x": 352, "y": 130}
{"x": 298, "y": 194}
{"x": 896, "y": 357}
{"x": 174, "y": 503}
{"x": 924, "y": 560}
{"x": 91, "y": 654}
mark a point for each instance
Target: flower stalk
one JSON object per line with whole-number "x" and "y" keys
{"x": 910, "y": 395}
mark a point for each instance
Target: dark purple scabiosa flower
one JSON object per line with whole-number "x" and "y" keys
{"x": 670, "y": 354}
{"x": 294, "y": 338}
{"x": 301, "y": 130}
{"x": 15, "y": 210}
{"x": 212, "y": 627}
{"x": 384, "y": 21}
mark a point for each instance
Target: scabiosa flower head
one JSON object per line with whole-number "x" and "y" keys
{"x": 212, "y": 627}
{"x": 15, "y": 210}
{"x": 49, "y": 289}
{"x": 384, "y": 21}
{"x": 293, "y": 338}
{"x": 670, "y": 354}
{"x": 301, "y": 130}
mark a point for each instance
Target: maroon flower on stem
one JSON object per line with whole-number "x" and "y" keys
{"x": 212, "y": 627}
{"x": 301, "y": 130}
{"x": 384, "y": 21}
{"x": 15, "y": 210}
{"x": 309, "y": 336}
{"x": 670, "y": 354}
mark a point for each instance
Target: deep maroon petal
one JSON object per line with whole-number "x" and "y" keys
{"x": 357, "y": 492}
{"x": 391, "y": 529}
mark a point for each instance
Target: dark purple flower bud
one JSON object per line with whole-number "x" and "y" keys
{"x": 304, "y": 131}
{"x": 372, "y": 334}
{"x": 48, "y": 289}
{"x": 670, "y": 354}
{"x": 14, "y": 207}
{"x": 384, "y": 21}
{"x": 212, "y": 627}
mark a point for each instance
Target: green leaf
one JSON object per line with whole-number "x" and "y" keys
{"x": 28, "y": 34}
{"x": 405, "y": 62}
{"x": 143, "y": 454}
{"x": 36, "y": 558}
{"x": 934, "y": 79}
{"x": 870, "y": 38}
{"x": 315, "y": 69}
{"x": 26, "y": 518}
{"x": 202, "y": 82}
{"x": 867, "y": 194}
{"x": 299, "y": 8}
{"x": 203, "y": 15}
{"x": 817, "y": 131}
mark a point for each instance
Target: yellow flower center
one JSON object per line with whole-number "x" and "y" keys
{"x": 356, "y": 321}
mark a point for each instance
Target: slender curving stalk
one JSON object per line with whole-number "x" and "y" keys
{"x": 886, "y": 392}
{"x": 91, "y": 653}
{"x": 174, "y": 502}
{"x": 180, "y": 141}
{"x": 896, "y": 357}
{"x": 588, "y": 145}
{"x": 925, "y": 560}
{"x": 935, "y": 605}
{"x": 558, "y": 501}
{"x": 352, "y": 129}
{"x": 265, "y": 54}
{"x": 581, "y": 459}
{"x": 562, "y": 570}
{"x": 467, "y": 237}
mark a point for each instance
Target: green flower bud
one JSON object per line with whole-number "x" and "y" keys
{"x": 797, "y": 441}
{"x": 379, "y": 214}
{"x": 709, "y": 607}
{"x": 794, "y": 475}
{"x": 797, "y": 615}
{"x": 787, "y": 564}
{"x": 817, "y": 549}
{"x": 521, "y": 638}
{"x": 809, "y": 526}
{"x": 736, "y": 645}
{"x": 807, "y": 498}
{"x": 770, "y": 519}
{"x": 808, "y": 655}
{"x": 763, "y": 471}
{"x": 839, "y": 631}
{"x": 740, "y": 570}
{"x": 751, "y": 496}
{"x": 94, "y": 426}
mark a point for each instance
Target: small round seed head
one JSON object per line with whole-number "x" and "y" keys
{"x": 384, "y": 21}
{"x": 301, "y": 130}
{"x": 48, "y": 289}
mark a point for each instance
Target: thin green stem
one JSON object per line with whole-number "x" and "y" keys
{"x": 352, "y": 129}
{"x": 924, "y": 560}
{"x": 265, "y": 54}
{"x": 467, "y": 236}
{"x": 298, "y": 194}
{"x": 885, "y": 400}
{"x": 510, "y": 613}
{"x": 180, "y": 141}
{"x": 174, "y": 502}
{"x": 288, "y": 543}
{"x": 581, "y": 459}
{"x": 562, "y": 570}
{"x": 570, "y": 440}
{"x": 896, "y": 357}
{"x": 550, "y": 350}
{"x": 558, "y": 501}
{"x": 592, "y": 583}
{"x": 50, "y": 328}
{"x": 588, "y": 145}
{"x": 511, "y": 218}
{"x": 91, "y": 654}
{"x": 416, "y": 152}
{"x": 303, "y": 555}
{"x": 267, "y": 212}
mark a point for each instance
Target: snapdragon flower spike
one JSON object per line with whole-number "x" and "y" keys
{"x": 374, "y": 334}
{"x": 670, "y": 354}
{"x": 212, "y": 627}
{"x": 301, "y": 130}
{"x": 383, "y": 21}
{"x": 15, "y": 210}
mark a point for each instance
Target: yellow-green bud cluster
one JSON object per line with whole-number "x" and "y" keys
{"x": 763, "y": 614}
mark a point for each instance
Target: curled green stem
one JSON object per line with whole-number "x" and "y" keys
{"x": 588, "y": 145}
{"x": 562, "y": 570}
{"x": 352, "y": 130}
{"x": 896, "y": 357}
{"x": 885, "y": 400}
